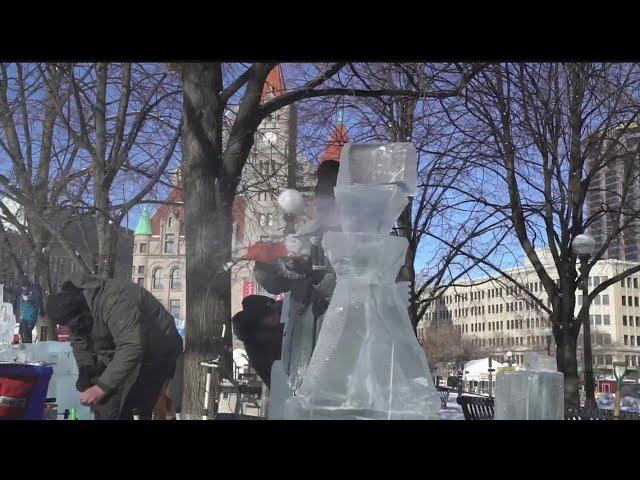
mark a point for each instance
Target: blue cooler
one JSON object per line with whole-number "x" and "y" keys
{"x": 36, "y": 400}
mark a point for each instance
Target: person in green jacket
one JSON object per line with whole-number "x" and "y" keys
{"x": 125, "y": 343}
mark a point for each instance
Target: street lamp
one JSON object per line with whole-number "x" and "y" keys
{"x": 584, "y": 245}
{"x": 509, "y": 355}
{"x": 490, "y": 370}
{"x": 547, "y": 333}
{"x": 619, "y": 371}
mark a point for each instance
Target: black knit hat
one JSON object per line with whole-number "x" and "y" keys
{"x": 254, "y": 307}
{"x": 327, "y": 175}
{"x": 66, "y": 305}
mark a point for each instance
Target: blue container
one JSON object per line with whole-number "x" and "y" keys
{"x": 37, "y": 399}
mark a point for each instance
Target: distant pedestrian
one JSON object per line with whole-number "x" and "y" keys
{"x": 28, "y": 307}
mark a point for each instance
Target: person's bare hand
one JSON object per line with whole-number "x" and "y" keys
{"x": 92, "y": 395}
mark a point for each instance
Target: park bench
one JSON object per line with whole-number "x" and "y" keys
{"x": 481, "y": 408}
{"x": 588, "y": 414}
{"x": 443, "y": 393}
{"x": 597, "y": 414}
{"x": 476, "y": 408}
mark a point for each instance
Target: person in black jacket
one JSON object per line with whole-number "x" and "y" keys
{"x": 258, "y": 327}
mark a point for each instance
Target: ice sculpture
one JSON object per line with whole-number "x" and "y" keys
{"x": 62, "y": 385}
{"x": 535, "y": 393}
{"x": 367, "y": 363}
{"x": 7, "y": 325}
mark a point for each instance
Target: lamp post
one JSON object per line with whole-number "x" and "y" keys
{"x": 490, "y": 370}
{"x": 547, "y": 333}
{"x": 509, "y": 355}
{"x": 619, "y": 371}
{"x": 584, "y": 245}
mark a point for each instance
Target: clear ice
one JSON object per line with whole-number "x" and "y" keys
{"x": 535, "y": 393}
{"x": 367, "y": 363}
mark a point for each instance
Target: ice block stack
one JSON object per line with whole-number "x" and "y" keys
{"x": 62, "y": 385}
{"x": 367, "y": 363}
{"x": 535, "y": 393}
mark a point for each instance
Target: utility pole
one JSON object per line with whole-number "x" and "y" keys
{"x": 292, "y": 162}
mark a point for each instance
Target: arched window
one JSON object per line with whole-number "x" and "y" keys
{"x": 176, "y": 279}
{"x": 158, "y": 278}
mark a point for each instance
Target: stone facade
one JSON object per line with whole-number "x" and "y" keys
{"x": 495, "y": 317}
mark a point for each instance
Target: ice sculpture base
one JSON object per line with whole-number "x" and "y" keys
{"x": 296, "y": 410}
{"x": 529, "y": 396}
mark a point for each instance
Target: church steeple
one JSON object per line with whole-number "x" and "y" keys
{"x": 338, "y": 138}
{"x": 274, "y": 84}
{"x": 144, "y": 224}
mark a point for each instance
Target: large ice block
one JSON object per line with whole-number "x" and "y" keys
{"x": 367, "y": 363}
{"x": 535, "y": 393}
{"x": 369, "y": 208}
{"x": 371, "y": 164}
{"x": 7, "y": 325}
{"x": 279, "y": 392}
{"x": 62, "y": 385}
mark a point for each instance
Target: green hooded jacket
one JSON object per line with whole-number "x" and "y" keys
{"x": 130, "y": 327}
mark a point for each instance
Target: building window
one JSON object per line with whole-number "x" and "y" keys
{"x": 135, "y": 247}
{"x": 624, "y": 320}
{"x": 141, "y": 270}
{"x": 596, "y": 300}
{"x": 628, "y": 282}
{"x": 141, "y": 282}
{"x": 609, "y": 359}
{"x": 606, "y": 320}
{"x": 605, "y": 299}
{"x": 176, "y": 279}
{"x": 633, "y": 341}
{"x": 169, "y": 243}
{"x": 598, "y": 319}
{"x": 629, "y": 301}
{"x": 143, "y": 248}
{"x": 635, "y": 302}
{"x": 174, "y": 308}
{"x": 635, "y": 283}
{"x": 626, "y": 339}
{"x": 637, "y": 321}
{"x": 158, "y": 278}
{"x": 624, "y": 300}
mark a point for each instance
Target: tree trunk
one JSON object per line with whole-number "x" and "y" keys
{"x": 208, "y": 228}
{"x": 407, "y": 272}
{"x": 42, "y": 277}
{"x": 566, "y": 330}
{"x": 107, "y": 246}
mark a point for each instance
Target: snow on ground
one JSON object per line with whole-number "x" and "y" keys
{"x": 453, "y": 410}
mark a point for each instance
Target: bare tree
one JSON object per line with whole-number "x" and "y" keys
{"x": 545, "y": 131}
{"x": 213, "y": 166}
{"x": 42, "y": 161}
{"x": 427, "y": 222}
{"x": 124, "y": 119}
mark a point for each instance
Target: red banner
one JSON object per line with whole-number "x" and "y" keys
{"x": 248, "y": 288}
